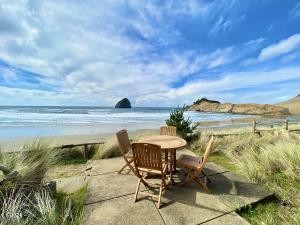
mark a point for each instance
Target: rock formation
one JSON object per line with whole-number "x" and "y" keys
{"x": 124, "y": 103}
{"x": 293, "y": 105}
{"x": 205, "y": 105}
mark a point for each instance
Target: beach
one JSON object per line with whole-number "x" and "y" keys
{"x": 73, "y": 125}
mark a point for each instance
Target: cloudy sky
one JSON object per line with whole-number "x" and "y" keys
{"x": 156, "y": 53}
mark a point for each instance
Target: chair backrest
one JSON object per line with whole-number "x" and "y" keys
{"x": 124, "y": 142}
{"x": 147, "y": 156}
{"x": 206, "y": 153}
{"x": 168, "y": 130}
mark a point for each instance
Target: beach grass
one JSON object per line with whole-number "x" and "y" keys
{"x": 23, "y": 207}
{"x": 26, "y": 200}
{"x": 272, "y": 160}
{"x": 31, "y": 164}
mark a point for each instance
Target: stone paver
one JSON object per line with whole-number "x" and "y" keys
{"x": 190, "y": 206}
{"x": 236, "y": 191}
{"x": 107, "y": 165}
{"x": 122, "y": 211}
{"x": 109, "y": 186}
{"x": 110, "y": 198}
{"x": 70, "y": 184}
{"x": 230, "y": 218}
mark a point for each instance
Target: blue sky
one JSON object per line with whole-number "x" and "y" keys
{"x": 156, "y": 53}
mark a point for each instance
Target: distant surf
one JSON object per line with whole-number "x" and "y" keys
{"x": 30, "y": 121}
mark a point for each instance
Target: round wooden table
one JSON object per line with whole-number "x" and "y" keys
{"x": 169, "y": 144}
{"x": 165, "y": 141}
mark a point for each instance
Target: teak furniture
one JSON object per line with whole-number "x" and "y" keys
{"x": 168, "y": 130}
{"x": 169, "y": 144}
{"x": 125, "y": 148}
{"x": 195, "y": 165}
{"x": 147, "y": 158}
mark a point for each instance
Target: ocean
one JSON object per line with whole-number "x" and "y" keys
{"x": 39, "y": 121}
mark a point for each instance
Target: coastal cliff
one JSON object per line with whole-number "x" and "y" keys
{"x": 206, "y": 105}
{"x": 293, "y": 105}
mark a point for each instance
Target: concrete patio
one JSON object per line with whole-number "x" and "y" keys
{"x": 110, "y": 198}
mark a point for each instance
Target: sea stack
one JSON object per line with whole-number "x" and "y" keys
{"x": 124, "y": 103}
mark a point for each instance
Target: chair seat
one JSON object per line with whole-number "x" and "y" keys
{"x": 188, "y": 161}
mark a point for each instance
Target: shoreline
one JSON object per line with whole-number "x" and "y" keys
{"x": 15, "y": 144}
{"x": 12, "y": 144}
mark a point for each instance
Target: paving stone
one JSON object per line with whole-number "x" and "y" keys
{"x": 107, "y": 165}
{"x": 232, "y": 218}
{"x": 70, "y": 184}
{"x": 110, "y": 185}
{"x": 122, "y": 211}
{"x": 110, "y": 198}
{"x": 190, "y": 205}
{"x": 236, "y": 191}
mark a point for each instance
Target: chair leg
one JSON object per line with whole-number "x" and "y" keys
{"x": 203, "y": 185}
{"x": 137, "y": 189}
{"x": 188, "y": 180}
{"x": 204, "y": 174}
{"x": 122, "y": 168}
{"x": 159, "y": 196}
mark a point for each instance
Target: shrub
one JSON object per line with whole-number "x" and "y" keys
{"x": 184, "y": 126}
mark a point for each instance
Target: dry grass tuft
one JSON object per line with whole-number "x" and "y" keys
{"x": 109, "y": 149}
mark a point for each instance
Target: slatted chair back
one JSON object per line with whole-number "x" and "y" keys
{"x": 168, "y": 130}
{"x": 123, "y": 141}
{"x": 147, "y": 156}
{"x": 206, "y": 153}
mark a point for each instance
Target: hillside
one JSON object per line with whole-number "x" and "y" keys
{"x": 205, "y": 105}
{"x": 293, "y": 105}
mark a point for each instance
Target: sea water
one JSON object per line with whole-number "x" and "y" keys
{"x": 31, "y": 121}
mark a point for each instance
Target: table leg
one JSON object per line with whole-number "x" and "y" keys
{"x": 174, "y": 159}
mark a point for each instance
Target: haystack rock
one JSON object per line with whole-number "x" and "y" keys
{"x": 124, "y": 103}
{"x": 206, "y": 105}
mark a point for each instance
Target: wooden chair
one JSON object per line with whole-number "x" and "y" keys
{"x": 147, "y": 158}
{"x": 168, "y": 130}
{"x": 195, "y": 165}
{"x": 169, "y": 156}
{"x": 125, "y": 148}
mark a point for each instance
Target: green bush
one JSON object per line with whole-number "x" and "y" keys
{"x": 184, "y": 126}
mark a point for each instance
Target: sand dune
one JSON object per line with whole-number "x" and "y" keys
{"x": 293, "y": 105}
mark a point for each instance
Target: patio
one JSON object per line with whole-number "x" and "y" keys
{"x": 110, "y": 198}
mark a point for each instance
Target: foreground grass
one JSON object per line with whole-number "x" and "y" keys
{"x": 24, "y": 198}
{"x": 20, "y": 207}
{"x": 273, "y": 161}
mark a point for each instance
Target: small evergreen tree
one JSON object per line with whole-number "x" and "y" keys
{"x": 184, "y": 126}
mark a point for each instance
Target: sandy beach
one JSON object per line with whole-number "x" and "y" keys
{"x": 15, "y": 144}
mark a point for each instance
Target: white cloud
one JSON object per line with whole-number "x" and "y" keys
{"x": 229, "y": 82}
{"x": 89, "y": 51}
{"x": 280, "y": 48}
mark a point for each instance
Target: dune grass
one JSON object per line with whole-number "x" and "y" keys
{"x": 25, "y": 200}
{"x": 23, "y": 207}
{"x": 32, "y": 164}
{"x": 272, "y": 160}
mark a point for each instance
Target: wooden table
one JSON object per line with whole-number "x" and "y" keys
{"x": 169, "y": 144}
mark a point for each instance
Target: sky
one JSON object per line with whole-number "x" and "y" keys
{"x": 156, "y": 53}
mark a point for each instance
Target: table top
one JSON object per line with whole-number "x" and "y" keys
{"x": 165, "y": 141}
